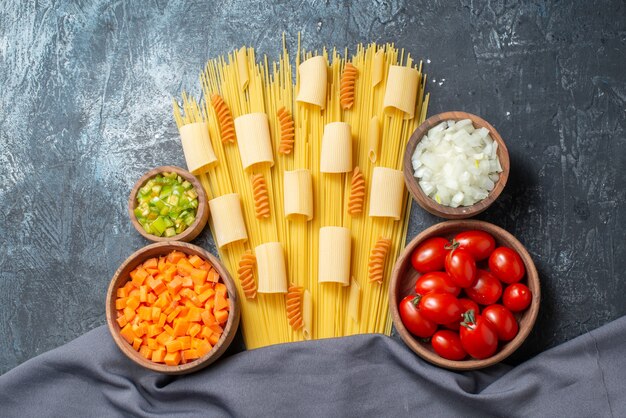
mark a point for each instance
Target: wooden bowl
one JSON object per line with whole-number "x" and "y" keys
{"x": 431, "y": 205}
{"x": 121, "y": 276}
{"x": 202, "y": 213}
{"x": 404, "y": 276}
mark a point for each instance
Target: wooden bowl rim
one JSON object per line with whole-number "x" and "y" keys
{"x": 202, "y": 212}
{"x": 164, "y": 248}
{"x": 431, "y": 205}
{"x": 502, "y": 236}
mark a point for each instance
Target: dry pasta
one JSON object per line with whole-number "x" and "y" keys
{"x": 224, "y": 117}
{"x": 253, "y": 139}
{"x": 357, "y": 192}
{"x": 376, "y": 265}
{"x": 336, "y": 154}
{"x": 401, "y": 92}
{"x": 335, "y": 250}
{"x": 328, "y": 309}
{"x": 348, "y": 80}
{"x": 298, "y": 192}
{"x": 227, "y": 219}
{"x": 373, "y": 139}
{"x": 386, "y": 193}
{"x": 294, "y": 306}
{"x": 246, "y": 274}
{"x": 260, "y": 196}
{"x": 287, "y": 131}
{"x": 270, "y": 259}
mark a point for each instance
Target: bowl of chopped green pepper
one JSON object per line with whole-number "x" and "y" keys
{"x": 168, "y": 204}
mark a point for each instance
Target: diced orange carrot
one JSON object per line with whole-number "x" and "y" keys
{"x": 150, "y": 263}
{"x": 189, "y": 355}
{"x": 206, "y": 295}
{"x": 162, "y": 320}
{"x": 220, "y": 302}
{"x": 122, "y": 321}
{"x": 121, "y": 292}
{"x": 174, "y": 313}
{"x": 153, "y": 344}
{"x": 194, "y": 329}
{"x": 205, "y": 266}
{"x": 194, "y": 314}
{"x": 170, "y": 307}
{"x": 175, "y": 285}
{"x": 132, "y": 302}
{"x": 129, "y": 313}
{"x": 172, "y": 359}
{"x": 169, "y": 329}
{"x": 213, "y": 276}
{"x": 151, "y": 298}
{"x": 196, "y": 261}
{"x": 221, "y": 288}
{"x": 184, "y": 267}
{"x": 180, "y": 327}
{"x": 143, "y": 293}
{"x": 204, "y": 347}
{"x": 120, "y": 303}
{"x": 158, "y": 355}
{"x": 139, "y": 330}
{"x": 154, "y": 330}
{"x": 210, "y": 303}
{"x": 206, "y": 332}
{"x": 199, "y": 276}
{"x": 145, "y": 313}
{"x": 216, "y": 328}
{"x": 164, "y": 338}
{"x": 127, "y": 333}
{"x": 145, "y": 351}
{"x": 155, "y": 313}
{"x": 161, "y": 264}
{"x": 175, "y": 256}
{"x": 184, "y": 310}
{"x": 187, "y": 282}
{"x": 185, "y": 342}
{"x": 221, "y": 316}
{"x": 137, "y": 343}
{"x": 207, "y": 318}
{"x": 214, "y": 338}
{"x": 140, "y": 276}
{"x": 169, "y": 273}
{"x": 172, "y": 346}
{"x": 157, "y": 285}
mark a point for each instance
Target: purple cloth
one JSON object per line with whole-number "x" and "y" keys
{"x": 365, "y": 375}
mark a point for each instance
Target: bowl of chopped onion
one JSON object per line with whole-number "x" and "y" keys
{"x": 456, "y": 165}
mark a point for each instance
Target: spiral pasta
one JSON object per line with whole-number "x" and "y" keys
{"x": 224, "y": 118}
{"x": 246, "y": 274}
{"x": 260, "y": 196}
{"x": 287, "y": 131}
{"x": 357, "y": 192}
{"x": 376, "y": 265}
{"x": 346, "y": 89}
{"x": 294, "y": 306}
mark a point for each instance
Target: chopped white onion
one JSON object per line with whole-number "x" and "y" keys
{"x": 457, "y": 164}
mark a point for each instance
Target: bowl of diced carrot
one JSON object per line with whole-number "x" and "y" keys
{"x": 172, "y": 307}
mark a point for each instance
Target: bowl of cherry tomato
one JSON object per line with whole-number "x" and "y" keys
{"x": 464, "y": 294}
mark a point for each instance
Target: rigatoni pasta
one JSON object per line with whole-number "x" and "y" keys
{"x": 313, "y": 80}
{"x": 227, "y": 219}
{"x": 387, "y": 193}
{"x": 335, "y": 249}
{"x": 298, "y": 194}
{"x": 401, "y": 91}
{"x": 253, "y": 139}
{"x": 197, "y": 147}
{"x": 271, "y": 268}
{"x": 336, "y": 154}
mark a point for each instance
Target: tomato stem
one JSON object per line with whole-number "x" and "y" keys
{"x": 469, "y": 319}
{"x": 416, "y": 300}
{"x": 454, "y": 244}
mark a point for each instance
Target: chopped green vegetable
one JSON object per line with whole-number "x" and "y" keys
{"x": 166, "y": 205}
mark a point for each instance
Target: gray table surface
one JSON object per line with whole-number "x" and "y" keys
{"x": 85, "y": 92}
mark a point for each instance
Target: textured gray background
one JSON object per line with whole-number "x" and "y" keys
{"x": 85, "y": 94}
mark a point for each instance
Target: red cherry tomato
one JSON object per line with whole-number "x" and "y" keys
{"x": 430, "y": 255}
{"x": 466, "y": 305}
{"x": 436, "y": 281}
{"x": 448, "y": 345}
{"x": 478, "y": 336}
{"x": 507, "y": 265}
{"x": 441, "y": 308}
{"x": 461, "y": 267}
{"x": 517, "y": 297}
{"x": 503, "y": 320}
{"x": 479, "y": 244}
{"x": 413, "y": 319}
{"x": 486, "y": 290}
